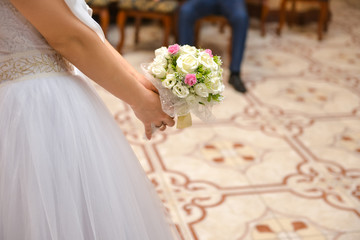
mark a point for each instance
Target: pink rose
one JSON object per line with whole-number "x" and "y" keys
{"x": 190, "y": 79}
{"x": 173, "y": 49}
{"x": 208, "y": 51}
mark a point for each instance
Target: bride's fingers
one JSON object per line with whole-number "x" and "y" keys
{"x": 169, "y": 121}
{"x": 154, "y": 89}
{"x": 163, "y": 127}
{"x": 148, "y": 84}
{"x": 148, "y": 131}
{"x": 158, "y": 125}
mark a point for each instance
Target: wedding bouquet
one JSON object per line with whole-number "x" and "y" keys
{"x": 189, "y": 80}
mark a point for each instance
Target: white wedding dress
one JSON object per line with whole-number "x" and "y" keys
{"x": 66, "y": 170}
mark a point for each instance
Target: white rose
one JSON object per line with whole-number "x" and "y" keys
{"x": 186, "y": 49}
{"x": 158, "y": 71}
{"x": 169, "y": 81}
{"x": 180, "y": 90}
{"x": 163, "y": 51}
{"x": 214, "y": 74}
{"x": 201, "y": 90}
{"x": 216, "y": 85}
{"x": 160, "y": 61}
{"x": 187, "y": 63}
{"x": 207, "y": 61}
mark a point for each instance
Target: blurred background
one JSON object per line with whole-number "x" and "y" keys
{"x": 281, "y": 161}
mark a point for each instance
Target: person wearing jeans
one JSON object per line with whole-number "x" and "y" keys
{"x": 236, "y": 13}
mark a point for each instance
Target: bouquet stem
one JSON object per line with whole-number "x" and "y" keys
{"x": 184, "y": 121}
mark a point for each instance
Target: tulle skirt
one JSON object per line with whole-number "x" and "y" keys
{"x": 66, "y": 170}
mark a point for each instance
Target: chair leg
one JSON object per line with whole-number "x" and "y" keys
{"x": 282, "y": 16}
{"x": 167, "y": 29}
{"x": 121, "y": 20}
{"x": 230, "y": 45}
{"x": 104, "y": 19}
{"x": 264, "y": 14}
{"x": 137, "y": 29}
{"x": 197, "y": 32}
{"x": 326, "y": 18}
{"x": 222, "y": 27}
{"x": 322, "y": 19}
{"x": 293, "y": 12}
{"x": 175, "y": 27}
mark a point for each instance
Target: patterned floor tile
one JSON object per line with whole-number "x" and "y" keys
{"x": 329, "y": 217}
{"x": 237, "y": 217}
{"x": 348, "y": 236}
{"x": 307, "y": 97}
{"x": 281, "y": 162}
{"x": 272, "y": 171}
{"x": 213, "y": 160}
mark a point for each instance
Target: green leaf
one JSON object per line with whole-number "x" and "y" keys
{"x": 217, "y": 59}
{"x": 215, "y": 97}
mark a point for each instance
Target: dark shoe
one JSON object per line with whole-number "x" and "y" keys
{"x": 237, "y": 83}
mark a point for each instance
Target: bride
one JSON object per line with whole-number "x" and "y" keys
{"x": 66, "y": 170}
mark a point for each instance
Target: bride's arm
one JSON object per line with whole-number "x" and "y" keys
{"x": 145, "y": 82}
{"x": 98, "y": 60}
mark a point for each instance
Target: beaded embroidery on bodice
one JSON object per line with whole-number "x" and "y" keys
{"x": 16, "y": 33}
{"x": 24, "y": 52}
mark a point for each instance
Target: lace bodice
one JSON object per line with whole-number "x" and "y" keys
{"x": 16, "y": 33}
{"x": 24, "y": 53}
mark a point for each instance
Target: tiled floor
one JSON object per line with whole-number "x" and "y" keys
{"x": 283, "y": 161}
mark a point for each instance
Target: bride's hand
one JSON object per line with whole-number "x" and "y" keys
{"x": 149, "y": 111}
{"x": 147, "y": 84}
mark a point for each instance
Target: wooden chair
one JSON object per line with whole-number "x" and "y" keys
{"x": 214, "y": 19}
{"x": 222, "y": 21}
{"x": 101, "y": 9}
{"x": 264, "y": 12}
{"x": 323, "y": 16}
{"x": 264, "y": 6}
{"x": 163, "y": 10}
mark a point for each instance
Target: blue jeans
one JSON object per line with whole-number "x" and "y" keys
{"x": 234, "y": 10}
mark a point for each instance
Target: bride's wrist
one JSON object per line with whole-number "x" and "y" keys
{"x": 139, "y": 100}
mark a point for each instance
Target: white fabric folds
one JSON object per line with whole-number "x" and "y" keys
{"x": 66, "y": 170}
{"x": 82, "y": 11}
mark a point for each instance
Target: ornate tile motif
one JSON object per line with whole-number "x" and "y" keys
{"x": 290, "y": 228}
{"x": 281, "y": 162}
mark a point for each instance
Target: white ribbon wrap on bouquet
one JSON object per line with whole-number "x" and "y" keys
{"x": 174, "y": 106}
{"x": 82, "y": 11}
